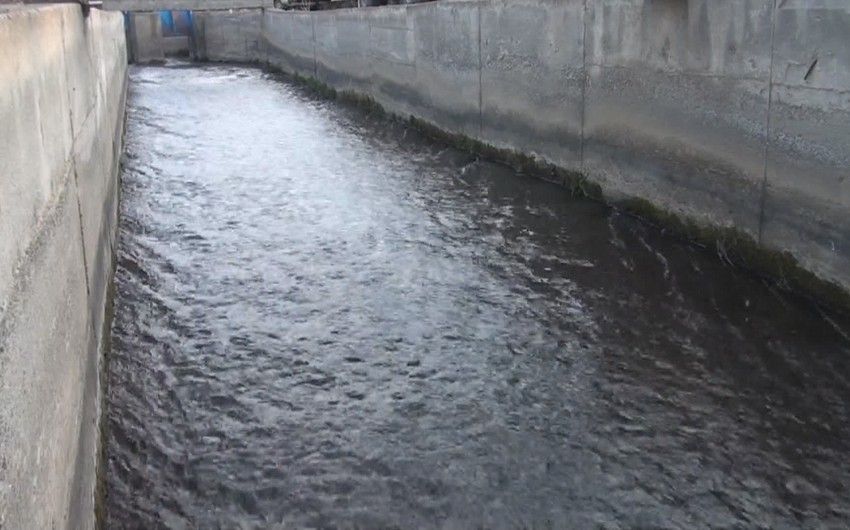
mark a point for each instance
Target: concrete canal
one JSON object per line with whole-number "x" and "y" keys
{"x": 326, "y": 320}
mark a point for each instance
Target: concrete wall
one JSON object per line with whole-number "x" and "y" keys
{"x": 676, "y": 104}
{"x": 144, "y": 38}
{"x": 227, "y": 36}
{"x": 807, "y": 200}
{"x": 177, "y": 45}
{"x": 146, "y": 42}
{"x": 61, "y": 117}
{"x": 288, "y": 41}
{"x": 732, "y": 113}
{"x": 178, "y": 5}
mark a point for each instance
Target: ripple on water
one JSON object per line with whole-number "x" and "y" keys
{"x": 324, "y": 320}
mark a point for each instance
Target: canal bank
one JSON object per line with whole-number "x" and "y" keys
{"x": 62, "y": 103}
{"x": 728, "y": 120}
{"x": 62, "y": 89}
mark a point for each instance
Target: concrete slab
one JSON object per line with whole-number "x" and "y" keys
{"x": 676, "y": 105}
{"x": 532, "y": 78}
{"x": 288, "y": 41}
{"x": 808, "y": 166}
{"x": 344, "y": 53}
{"x": 448, "y": 83}
{"x": 61, "y": 108}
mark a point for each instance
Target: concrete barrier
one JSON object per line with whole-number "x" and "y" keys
{"x": 144, "y": 38}
{"x": 807, "y": 200}
{"x": 730, "y": 114}
{"x": 289, "y": 42}
{"x": 228, "y": 36}
{"x": 61, "y": 118}
{"x": 532, "y": 88}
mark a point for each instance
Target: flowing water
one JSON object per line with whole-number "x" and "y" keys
{"x": 325, "y": 320}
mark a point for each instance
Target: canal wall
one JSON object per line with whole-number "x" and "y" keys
{"x": 145, "y": 43}
{"x": 62, "y": 90}
{"x": 228, "y": 35}
{"x": 730, "y": 114}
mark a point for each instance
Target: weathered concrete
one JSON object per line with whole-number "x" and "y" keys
{"x": 183, "y": 5}
{"x": 144, "y": 38}
{"x": 807, "y": 204}
{"x": 61, "y": 115}
{"x": 146, "y": 42}
{"x": 448, "y": 78}
{"x": 733, "y": 114}
{"x": 676, "y": 105}
{"x": 532, "y": 66}
{"x": 393, "y": 50}
{"x": 228, "y": 36}
{"x": 289, "y": 41}
{"x": 175, "y": 45}
{"x": 339, "y": 44}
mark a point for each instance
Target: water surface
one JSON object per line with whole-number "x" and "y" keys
{"x": 327, "y": 321}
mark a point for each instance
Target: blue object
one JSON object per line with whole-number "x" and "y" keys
{"x": 167, "y": 19}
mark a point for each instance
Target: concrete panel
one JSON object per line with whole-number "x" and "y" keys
{"x": 676, "y": 105}
{"x": 97, "y": 151}
{"x": 705, "y": 37}
{"x": 343, "y": 52}
{"x": 61, "y": 108}
{"x": 43, "y": 341}
{"x": 145, "y": 36}
{"x": 393, "y": 51}
{"x": 532, "y": 77}
{"x": 79, "y": 74}
{"x": 288, "y": 42}
{"x": 231, "y": 36}
{"x": 664, "y": 138}
{"x": 448, "y": 88}
{"x": 808, "y": 172}
{"x": 177, "y": 45}
{"x": 35, "y": 125}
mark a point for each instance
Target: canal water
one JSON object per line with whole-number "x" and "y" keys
{"x": 325, "y": 320}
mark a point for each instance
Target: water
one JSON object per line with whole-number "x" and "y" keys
{"x": 327, "y": 321}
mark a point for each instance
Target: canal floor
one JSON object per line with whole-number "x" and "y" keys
{"x": 325, "y": 320}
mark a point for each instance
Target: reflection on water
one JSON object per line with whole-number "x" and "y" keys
{"x": 325, "y": 322}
